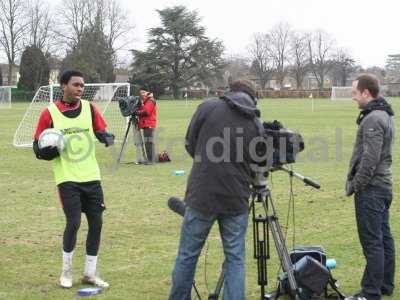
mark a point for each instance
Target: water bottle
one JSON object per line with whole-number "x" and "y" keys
{"x": 331, "y": 263}
{"x": 179, "y": 173}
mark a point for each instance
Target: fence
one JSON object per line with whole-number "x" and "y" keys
{"x": 294, "y": 93}
{"x": 20, "y": 95}
{"x": 202, "y": 93}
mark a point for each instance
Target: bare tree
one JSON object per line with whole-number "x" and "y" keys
{"x": 393, "y": 67}
{"x": 279, "y": 40}
{"x": 343, "y": 66}
{"x": 379, "y": 72}
{"x": 262, "y": 63}
{"x": 13, "y": 27}
{"x": 96, "y": 13}
{"x": 118, "y": 28}
{"x": 78, "y": 15}
{"x": 39, "y": 25}
{"x": 299, "y": 58}
{"x": 320, "y": 47}
{"x": 235, "y": 67}
{"x": 74, "y": 17}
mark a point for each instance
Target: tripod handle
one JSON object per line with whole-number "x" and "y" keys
{"x": 306, "y": 180}
{"x": 312, "y": 183}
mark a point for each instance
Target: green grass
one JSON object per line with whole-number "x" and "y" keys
{"x": 140, "y": 234}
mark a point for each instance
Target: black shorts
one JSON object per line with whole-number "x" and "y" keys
{"x": 84, "y": 197}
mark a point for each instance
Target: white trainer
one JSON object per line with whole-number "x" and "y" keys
{"x": 66, "y": 278}
{"x": 95, "y": 280}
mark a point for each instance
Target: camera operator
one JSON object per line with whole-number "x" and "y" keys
{"x": 218, "y": 188}
{"x": 370, "y": 180}
{"x": 147, "y": 115}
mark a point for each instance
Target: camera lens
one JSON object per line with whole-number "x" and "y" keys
{"x": 122, "y": 104}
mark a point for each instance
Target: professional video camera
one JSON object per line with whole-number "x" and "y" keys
{"x": 282, "y": 145}
{"x": 129, "y": 105}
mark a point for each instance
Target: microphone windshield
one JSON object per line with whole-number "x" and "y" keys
{"x": 177, "y": 205}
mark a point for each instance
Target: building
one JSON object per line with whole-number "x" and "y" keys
{"x": 54, "y": 66}
{"x": 392, "y": 88}
{"x": 14, "y": 77}
{"x": 121, "y": 75}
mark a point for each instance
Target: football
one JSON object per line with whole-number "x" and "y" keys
{"x": 52, "y": 137}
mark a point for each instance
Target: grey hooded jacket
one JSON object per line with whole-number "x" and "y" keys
{"x": 372, "y": 154}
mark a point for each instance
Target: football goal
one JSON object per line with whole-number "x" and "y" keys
{"x": 5, "y": 96}
{"x": 104, "y": 95}
{"x": 341, "y": 93}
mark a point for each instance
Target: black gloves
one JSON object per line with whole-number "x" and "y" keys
{"x": 46, "y": 153}
{"x": 105, "y": 138}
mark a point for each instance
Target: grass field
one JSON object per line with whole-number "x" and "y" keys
{"x": 140, "y": 234}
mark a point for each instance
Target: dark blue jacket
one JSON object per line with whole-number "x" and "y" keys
{"x": 219, "y": 139}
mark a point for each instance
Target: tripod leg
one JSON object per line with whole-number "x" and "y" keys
{"x": 283, "y": 254}
{"x": 125, "y": 140}
{"x": 220, "y": 283}
{"x": 261, "y": 247}
{"x": 196, "y": 290}
{"x": 255, "y": 235}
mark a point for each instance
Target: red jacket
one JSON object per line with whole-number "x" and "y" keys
{"x": 148, "y": 114}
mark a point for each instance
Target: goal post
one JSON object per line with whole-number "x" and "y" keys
{"x": 5, "y": 96}
{"x": 341, "y": 93}
{"x": 104, "y": 95}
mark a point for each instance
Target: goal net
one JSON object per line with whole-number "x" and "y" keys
{"x": 5, "y": 96}
{"x": 341, "y": 93}
{"x": 104, "y": 95}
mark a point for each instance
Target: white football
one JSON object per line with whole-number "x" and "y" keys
{"x": 52, "y": 137}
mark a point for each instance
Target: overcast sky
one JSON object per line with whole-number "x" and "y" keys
{"x": 368, "y": 29}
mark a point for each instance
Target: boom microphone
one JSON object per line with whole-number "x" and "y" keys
{"x": 177, "y": 205}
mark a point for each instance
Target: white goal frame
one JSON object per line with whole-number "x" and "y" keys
{"x": 5, "y": 95}
{"x": 105, "y": 97}
{"x": 341, "y": 93}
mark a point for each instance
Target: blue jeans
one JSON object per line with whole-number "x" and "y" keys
{"x": 372, "y": 215}
{"x": 194, "y": 232}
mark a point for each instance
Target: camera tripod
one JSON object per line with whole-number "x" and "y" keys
{"x": 262, "y": 225}
{"x": 137, "y": 139}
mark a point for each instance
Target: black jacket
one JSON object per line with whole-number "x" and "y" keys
{"x": 219, "y": 141}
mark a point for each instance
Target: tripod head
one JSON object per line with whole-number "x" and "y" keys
{"x": 260, "y": 184}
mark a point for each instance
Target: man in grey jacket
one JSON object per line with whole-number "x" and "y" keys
{"x": 370, "y": 180}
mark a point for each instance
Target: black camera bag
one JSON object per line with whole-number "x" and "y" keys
{"x": 311, "y": 274}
